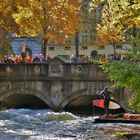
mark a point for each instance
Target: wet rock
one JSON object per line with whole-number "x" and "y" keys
{"x": 132, "y": 136}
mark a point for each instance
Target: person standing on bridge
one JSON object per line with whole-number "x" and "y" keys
{"x": 105, "y": 94}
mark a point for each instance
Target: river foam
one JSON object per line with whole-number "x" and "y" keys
{"x": 26, "y": 124}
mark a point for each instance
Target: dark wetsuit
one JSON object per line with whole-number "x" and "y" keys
{"x": 105, "y": 94}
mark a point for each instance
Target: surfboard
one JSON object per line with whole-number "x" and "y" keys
{"x": 100, "y": 103}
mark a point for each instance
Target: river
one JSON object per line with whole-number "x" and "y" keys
{"x": 27, "y": 124}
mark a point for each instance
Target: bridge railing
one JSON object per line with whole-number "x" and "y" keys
{"x": 22, "y": 71}
{"x": 85, "y": 70}
{"x": 37, "y": 72}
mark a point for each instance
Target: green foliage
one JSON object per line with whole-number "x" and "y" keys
{"x": 124, "y": 74}
{"x": 134, "y": 103}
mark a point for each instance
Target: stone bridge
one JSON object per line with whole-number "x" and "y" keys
{"x": 56, "y": 85}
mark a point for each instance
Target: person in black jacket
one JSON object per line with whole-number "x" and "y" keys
{"x": 105, "y": 94}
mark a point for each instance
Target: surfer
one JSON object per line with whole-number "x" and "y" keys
{"x": 105, "y": 94}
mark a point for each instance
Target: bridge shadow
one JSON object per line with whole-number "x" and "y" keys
{"x": 81, "y": 106}
{"x": 24, "y": 101}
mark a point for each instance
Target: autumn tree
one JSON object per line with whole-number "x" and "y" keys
{"x": 124, "y": 15}
{"x": 50, "y": 20}
{"x": 106, "y": 31}
{"x": 126, "y": 12}
{"x": 7, "y": 25}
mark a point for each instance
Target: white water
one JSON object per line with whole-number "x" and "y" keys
{"x": 25, "y": 124}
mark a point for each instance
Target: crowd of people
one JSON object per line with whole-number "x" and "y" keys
{"x": 25, "y": 58}
{"x": 101, "y": 57}
{"x": 40, "y": 58}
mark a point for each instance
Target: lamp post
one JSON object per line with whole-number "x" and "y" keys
{"x": 76, "y": 45}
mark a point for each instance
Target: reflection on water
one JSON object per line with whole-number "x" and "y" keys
{"x": 25, "y": 124}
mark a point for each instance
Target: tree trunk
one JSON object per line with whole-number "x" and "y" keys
{"x": 134, "y": 34}
{"x": 77, "y": 45}
{"x": 44, "y": 46}
{"x": 114, "y": 48}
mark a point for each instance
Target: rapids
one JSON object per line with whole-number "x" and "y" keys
{"x": 27, "y": 124}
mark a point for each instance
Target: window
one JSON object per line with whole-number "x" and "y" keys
{"x": 101, "y": 47}
{"x": 118, "y": 46}
{"x": 84, "y": 47}
{"x": 68, "y": 48}
{"x": 51, "y": 48}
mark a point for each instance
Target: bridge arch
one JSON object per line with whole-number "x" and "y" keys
{"x": 74, "y": 96}
{"x": 30, "y": 92}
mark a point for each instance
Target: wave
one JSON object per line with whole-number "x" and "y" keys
{"x": 24, "y": 116}
{"x": 64, "y": 116}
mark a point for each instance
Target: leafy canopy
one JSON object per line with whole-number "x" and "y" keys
{"x": 50, "y": 19}
{"x": 7, "y": 25}
{"x": 117, "y": 18}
